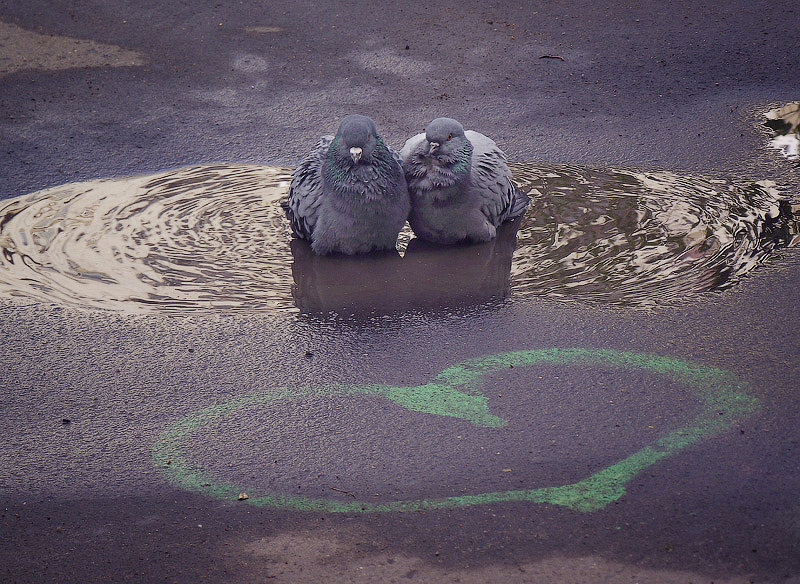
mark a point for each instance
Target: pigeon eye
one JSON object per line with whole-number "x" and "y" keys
{"x": 449, "y": 137}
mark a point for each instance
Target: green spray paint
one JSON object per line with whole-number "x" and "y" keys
{"x": 723, "y": 396}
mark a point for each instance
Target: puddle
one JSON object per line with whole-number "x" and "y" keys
{"x": 213, "y": 237}
{"x": 785, "y": 122}
{"x": 195, "y": 238}
{"x": 630, "y": 238}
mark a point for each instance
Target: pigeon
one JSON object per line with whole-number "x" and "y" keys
{"x": 349, "y": 195}
{"x": 459, "y": 184}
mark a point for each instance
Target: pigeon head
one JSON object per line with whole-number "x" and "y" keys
{"x": 358, "y": 163}
{"x": 442, "y": 160}
{"x": 445, "y": 138}
{"x": 356, "y": 140}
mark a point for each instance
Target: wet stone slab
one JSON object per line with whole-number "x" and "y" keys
{"x": 213, "y": 238}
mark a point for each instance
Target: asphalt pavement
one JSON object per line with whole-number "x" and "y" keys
{"x": 512, "y": 440}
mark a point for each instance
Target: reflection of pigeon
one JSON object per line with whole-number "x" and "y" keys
{"x": 459, "y": 183}
{"x": 455, "y": 276}
{"x": 429, "y": 276}
{"x": 361, "y": 285}
{"x": 349, "y": 194}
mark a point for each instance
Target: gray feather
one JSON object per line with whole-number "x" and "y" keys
{"x": 460, "y": 190}
{"x": 349, "y": 195}
{"x": 411, "y": 145}
{"x": 305, "y": 192}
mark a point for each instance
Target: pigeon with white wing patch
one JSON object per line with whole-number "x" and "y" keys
{"x": 459, "y": 183}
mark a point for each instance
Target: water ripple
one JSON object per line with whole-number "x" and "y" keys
{"x": 196, "y": 238}
{"x": 213, "y": 237}
{"x": 785, "y": 123}
{"x": 625, "y": 237}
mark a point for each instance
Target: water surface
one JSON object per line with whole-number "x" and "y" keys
{"x": 785, "y": 123}
{"x": 213, "y": 238}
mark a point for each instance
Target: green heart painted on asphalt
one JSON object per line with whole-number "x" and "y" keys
{"x": 724, "y": 397}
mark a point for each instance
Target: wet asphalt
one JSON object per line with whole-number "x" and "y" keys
{"x": 86, "y": 395}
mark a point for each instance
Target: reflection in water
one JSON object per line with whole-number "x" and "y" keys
{"x": 784, "y": 230}
{"x": 632, "y": 238}
{"x": 427, "y": 276}
{"x": 785, "y": 121}
{"x": 214, "y": 237}
{"x": 196, "y": 238}
{"x": 343, "y": 284}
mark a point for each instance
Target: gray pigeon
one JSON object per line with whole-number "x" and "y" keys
{"x": 459, "y": 183}
{"x": 349, "y": 194}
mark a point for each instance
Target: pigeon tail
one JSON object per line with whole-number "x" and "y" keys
{"x": 519, "y": 204}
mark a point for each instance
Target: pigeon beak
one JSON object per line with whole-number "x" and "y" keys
{"x": 434, "y": 146}
{"x": 355, "y": 154}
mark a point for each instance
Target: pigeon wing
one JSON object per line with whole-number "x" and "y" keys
{"x": 411, "y": 145}
{"x": 491, "y": 180}
{"x": 306, "y": 192}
